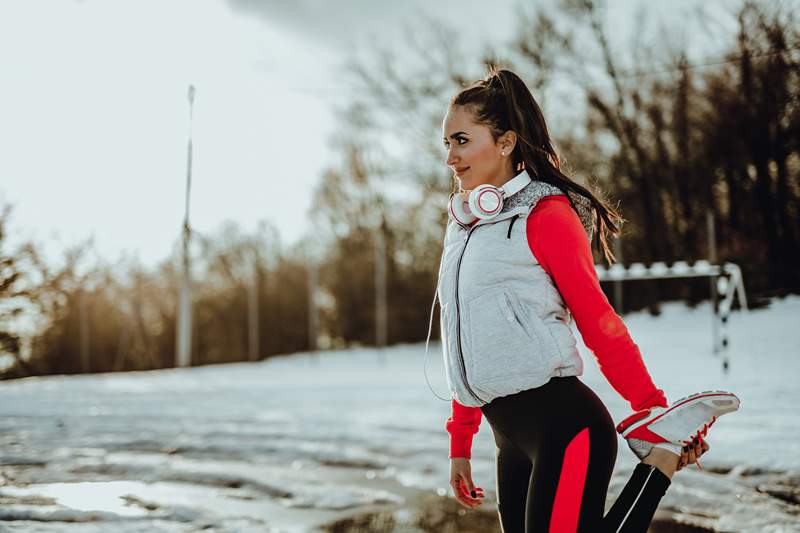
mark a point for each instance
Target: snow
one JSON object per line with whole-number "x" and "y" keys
{"x": 298, "y": 441}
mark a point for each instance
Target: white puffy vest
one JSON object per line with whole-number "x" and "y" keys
{"x": 504, "y": 326}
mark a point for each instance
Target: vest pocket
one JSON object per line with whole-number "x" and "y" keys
{"x": 530, "y": 320}
{"x": 501, "y": 343}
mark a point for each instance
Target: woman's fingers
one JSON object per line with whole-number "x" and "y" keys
{"x": 459, "y": 492}
{"x": 698, "y": 447}
{"x": 464, "y": 489}
{"x": 687, "y": 455}
{"x": 471, "y": 488}
{"x": 692, "y": 452}
{"x": 466, "y": 498}
{"x": 461, "y": 482}
{"x": 704, "y": 447}
{"x": 701, "y": 448}
{"x": 684, "y": 458}
{"x": 691, "y": 456}
{"x": 468, "y": 494}
{"x": 463, "y": 495}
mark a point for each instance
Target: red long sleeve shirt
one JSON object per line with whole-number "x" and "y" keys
{"x": 558, "y": 240}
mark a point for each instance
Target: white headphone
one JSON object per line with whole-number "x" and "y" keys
{"x": 484, "y": 201}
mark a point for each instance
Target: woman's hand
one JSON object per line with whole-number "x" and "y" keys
{"x": 461, "y": 482}
{"x": 692, "y": 453}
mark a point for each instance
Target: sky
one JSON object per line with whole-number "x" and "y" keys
{"x": 94, "y": 114}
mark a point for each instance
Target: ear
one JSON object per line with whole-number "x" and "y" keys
{"x": 507, "y": 141}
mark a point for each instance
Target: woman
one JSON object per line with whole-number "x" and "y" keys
{"x": 507, "y": 289}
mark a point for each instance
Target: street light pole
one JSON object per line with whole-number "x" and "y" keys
{"x": 183, "y": 341}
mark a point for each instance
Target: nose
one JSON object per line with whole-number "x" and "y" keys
{"x": 451, "y": 160}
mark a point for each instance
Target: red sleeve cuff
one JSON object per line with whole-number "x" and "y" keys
{"x": 461, "y": 445}
{"x": 657, "y": 399}
{"x": 462, "y": 426}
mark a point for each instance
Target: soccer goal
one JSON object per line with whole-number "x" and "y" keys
{"x": 726, "y": 284}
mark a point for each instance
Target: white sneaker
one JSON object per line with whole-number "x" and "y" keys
{"x": 677, "y": 425}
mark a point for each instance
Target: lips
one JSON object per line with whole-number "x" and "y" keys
{"x": 460, "y": 171}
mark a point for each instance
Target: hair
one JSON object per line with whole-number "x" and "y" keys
{"x": 503, "y": 102}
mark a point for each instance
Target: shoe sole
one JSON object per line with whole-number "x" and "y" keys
{"x": 639, "y": 419}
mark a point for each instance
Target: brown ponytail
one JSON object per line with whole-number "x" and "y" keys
{"x": 503, "y": 102}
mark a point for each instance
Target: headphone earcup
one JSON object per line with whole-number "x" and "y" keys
{"x": 485, "y": 201}
{"x": 458, "y": 208}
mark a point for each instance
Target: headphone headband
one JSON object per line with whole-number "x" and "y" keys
{"x": 516, "y": 184}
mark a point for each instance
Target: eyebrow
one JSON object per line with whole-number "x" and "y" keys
{"x": 453, "y": 136}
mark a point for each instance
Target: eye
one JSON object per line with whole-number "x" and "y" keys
{"x": 458, "y": 139}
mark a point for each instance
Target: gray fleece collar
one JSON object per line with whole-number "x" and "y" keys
{"x": 526, "y": 199}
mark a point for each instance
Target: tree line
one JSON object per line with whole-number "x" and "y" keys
{"x": 101, "y": 317}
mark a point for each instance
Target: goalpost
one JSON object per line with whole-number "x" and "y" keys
{"x": 726, "y": 281}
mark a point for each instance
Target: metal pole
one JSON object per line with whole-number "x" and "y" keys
{"x": 712, "y": 258}
{"x": 313, "y": 312}
{"x": 252, "y": 307}
{"x": 618, "y": 303}
{"x": 184, "y": 330}
{"x": 83, "y": 313}
{"x": 380, "y": 287}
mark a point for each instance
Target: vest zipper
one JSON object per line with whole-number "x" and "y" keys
{"x": 458, "y": 320}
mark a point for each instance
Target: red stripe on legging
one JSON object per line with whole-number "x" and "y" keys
{"x": 567, "y": 504}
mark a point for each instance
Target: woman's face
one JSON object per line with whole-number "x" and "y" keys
{"x": 472, "y": 153}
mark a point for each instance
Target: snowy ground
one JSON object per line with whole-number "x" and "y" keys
{"x": 297, "y": 442}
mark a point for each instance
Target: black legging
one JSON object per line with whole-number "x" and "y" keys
{"x": 556, "y": 447}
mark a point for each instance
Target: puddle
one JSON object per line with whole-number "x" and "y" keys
{"x": 102, "y": 496}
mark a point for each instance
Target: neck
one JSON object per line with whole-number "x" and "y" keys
{"x": 504, "y": 176}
